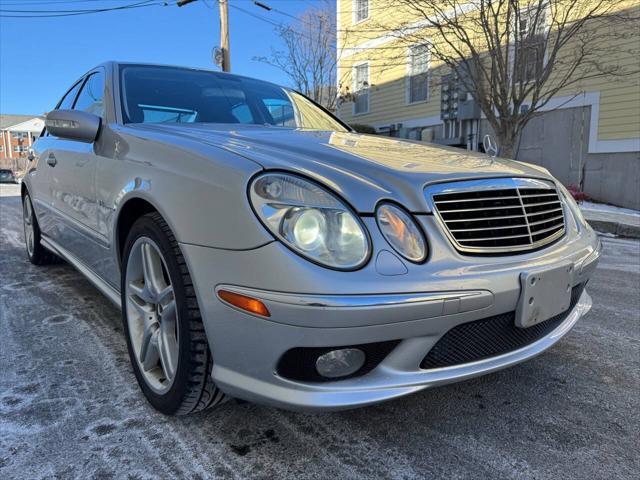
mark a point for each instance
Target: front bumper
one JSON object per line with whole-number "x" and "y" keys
{"x": 396, "y": 376}
{"x": 314, "y": 307}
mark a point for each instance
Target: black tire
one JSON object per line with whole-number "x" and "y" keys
{"x": 37, "y": 254}
{"x": 192, "y": 389}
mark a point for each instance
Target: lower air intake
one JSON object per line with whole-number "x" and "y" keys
{"x": 490, "y": 337}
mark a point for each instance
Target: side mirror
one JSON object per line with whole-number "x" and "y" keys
{"x": 73, "y": 125}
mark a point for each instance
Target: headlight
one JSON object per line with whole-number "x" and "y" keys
{"x": 310, "y": 220}
{"x": 401, "y": 232}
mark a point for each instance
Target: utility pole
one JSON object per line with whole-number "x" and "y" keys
{"x": 224, "y": 32}
{"x": 224, "y": 35}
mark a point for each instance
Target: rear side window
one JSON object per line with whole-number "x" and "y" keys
{"x": 67, "y": 101}
{"x": 91, "y": 96}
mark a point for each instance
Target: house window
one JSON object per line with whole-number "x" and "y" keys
{"x": 18, "y": 135}
{"x": 531, "y": 41}
{"x": 418, "y": 83}
{"x": 361, "y": 88}
{"x": 20, "y": 148}
{"x": 360, "y": 10}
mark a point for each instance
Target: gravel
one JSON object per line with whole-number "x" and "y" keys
{"x": 70, "y": 406}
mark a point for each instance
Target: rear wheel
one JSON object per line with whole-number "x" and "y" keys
{"x": 165, "y": 335}
{"x": 37, "y": 254}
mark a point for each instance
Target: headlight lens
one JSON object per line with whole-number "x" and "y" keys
{"x": 401, "y": 232}
{"x": 310, "y": 220}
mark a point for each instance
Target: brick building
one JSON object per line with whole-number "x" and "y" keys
{"x": 17, "y": 134}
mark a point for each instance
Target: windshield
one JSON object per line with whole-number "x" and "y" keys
{"x": 176, "y": 95}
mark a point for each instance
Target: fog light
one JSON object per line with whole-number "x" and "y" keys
{"x": 340, "y": 363}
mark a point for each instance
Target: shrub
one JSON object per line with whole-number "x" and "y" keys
{"x": 360, "y": 128}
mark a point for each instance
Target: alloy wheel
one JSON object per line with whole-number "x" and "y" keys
{"x": 152, "y": 315}
{"x": 27, "y": 220}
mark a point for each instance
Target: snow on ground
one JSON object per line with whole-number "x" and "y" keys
{"x": 70, "y": 406}
{"x": 9, "y": 189}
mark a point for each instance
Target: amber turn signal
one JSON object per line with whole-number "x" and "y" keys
{"x": 251, "y": 305}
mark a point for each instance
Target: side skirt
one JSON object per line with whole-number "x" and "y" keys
{"x": 106, "y": 289}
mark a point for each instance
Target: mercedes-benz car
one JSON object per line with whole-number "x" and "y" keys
{"x": 261, "y": 249}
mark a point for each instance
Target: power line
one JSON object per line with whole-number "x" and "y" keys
{"x": 68, "y": 13}
{"x": 276, "y": 24}
{"x": 42, "y": 2}
{"x": 254, "y": 15}
{"x": 74, "y": 11}
{"x": 277, "y": 10}
{"x": 303, "y": 21}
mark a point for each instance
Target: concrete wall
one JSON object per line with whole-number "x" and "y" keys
{"x": 558, "y": 140}
{"x": 614, "y": 178}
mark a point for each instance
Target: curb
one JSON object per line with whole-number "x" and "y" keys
{"x": 626, "y": 230}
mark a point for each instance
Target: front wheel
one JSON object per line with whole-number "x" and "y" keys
{"x": 162, "y": 323}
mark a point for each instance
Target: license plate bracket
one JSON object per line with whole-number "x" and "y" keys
{"x": 544, "y": 293}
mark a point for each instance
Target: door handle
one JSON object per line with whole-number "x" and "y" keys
{"x": 51, "y": 160}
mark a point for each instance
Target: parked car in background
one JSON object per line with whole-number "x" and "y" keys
{"x": 7, "y": 176}
{"x": 260, "y": 248}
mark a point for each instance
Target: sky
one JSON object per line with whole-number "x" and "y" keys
{"x": 41, "y": 57}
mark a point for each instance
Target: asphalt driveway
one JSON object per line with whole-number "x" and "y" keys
{"x": 70, "y": 406}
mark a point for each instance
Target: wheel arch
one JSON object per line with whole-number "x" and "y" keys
{"x": 130, "y": 211}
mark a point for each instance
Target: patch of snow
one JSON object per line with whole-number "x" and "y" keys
{"x": 9, "y": 189}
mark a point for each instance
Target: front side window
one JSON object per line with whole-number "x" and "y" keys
{"x": 91, "y": 96}
{"x": 177, "y": 95}
{"x": 361, "y": 88}
{"x": 360, "y": 10}
{"x": 67, "y": 101}
{"x": 418, "y": 84}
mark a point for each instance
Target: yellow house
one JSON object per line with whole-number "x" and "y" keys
{"x": 587, "y": 135}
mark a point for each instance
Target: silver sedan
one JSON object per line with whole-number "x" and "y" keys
{"x": 261, "y": 249}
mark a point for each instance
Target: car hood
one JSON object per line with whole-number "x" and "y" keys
{"x": 363, "y": 169}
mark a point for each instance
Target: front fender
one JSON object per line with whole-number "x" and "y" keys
{"x": 200, "y": 194}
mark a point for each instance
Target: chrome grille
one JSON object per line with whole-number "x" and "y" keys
{"x": 499, "y": 215}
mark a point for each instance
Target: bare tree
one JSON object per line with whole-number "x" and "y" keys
{"x": 309, "y": 54}
{"x": 516, "y": 55}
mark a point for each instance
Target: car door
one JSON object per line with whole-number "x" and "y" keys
{"x": 40, "y": 169}
{"x": 72, "y": 169}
